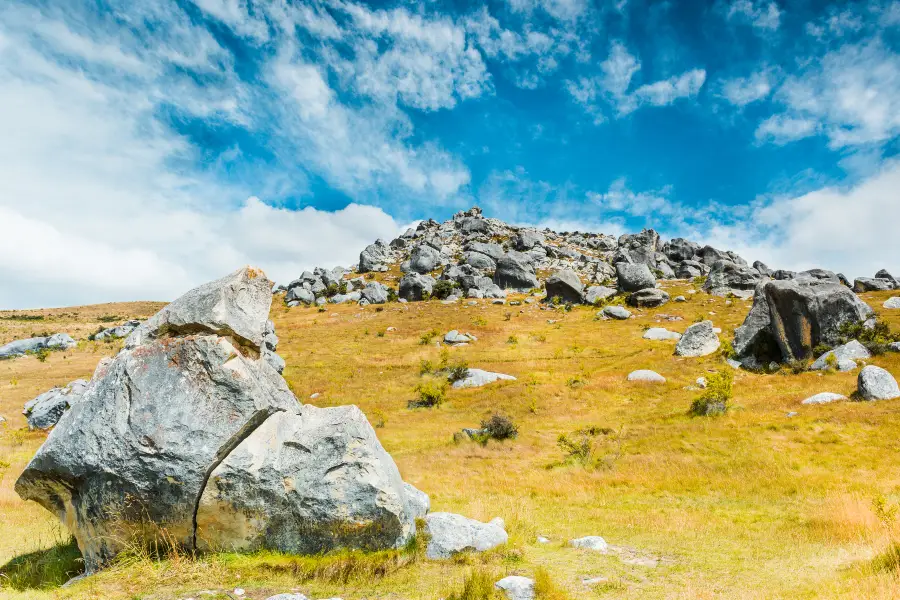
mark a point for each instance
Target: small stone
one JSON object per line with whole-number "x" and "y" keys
{"x": 517, "y": 587}
{"x": 893, "y": 302}
{"x": 616, "y": 312}
{"x": 542, "y": 540}
{"x": 824, "y": 398}
{"x": 661, "y": 334}
{"x": 680, "y": 299}
{"x": 647, "y": 376}
{"x": 591, "y": 542}
{"x": 702, "y": 383}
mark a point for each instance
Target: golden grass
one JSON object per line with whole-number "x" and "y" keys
{"x": 754, "y": 504}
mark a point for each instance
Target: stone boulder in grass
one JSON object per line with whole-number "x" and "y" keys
{"x": 565, "y": 285}
{"x": 190, "y": 430}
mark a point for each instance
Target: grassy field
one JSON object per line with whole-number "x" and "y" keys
{"x": 772, "y": 500}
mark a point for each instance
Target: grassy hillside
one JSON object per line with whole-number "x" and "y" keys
{"x": 754, "y": 504}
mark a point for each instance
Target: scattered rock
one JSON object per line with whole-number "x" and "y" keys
{"x": 44, "y": 411}
{"x": 591, "y": 542}
{"x": 515, "y": 274}
{"x": 123, "y": 330}
{"x": 616, "y": 312}
{"x": 680, "y": 299}
{"x": 478, "y": 378}
{"x": 517, "y": 587}
{"x": 727, "y": 277}
{"x": 450, "y": 534}
{"x": 868, "y": 284}
{"x": 57, "y": 341}
{"x": 875, "y": 383}
{"x": 824, "y": 398}
{"x": 845, "y": 355}
{"x": 892, "y": 302}
{"x": 415, "y": 286}
{"x": 634, "y": 277}
{"x": 596, "y": 293}
{"x": 454, "y": 337}
{"x": 566, "y": 285}
{"x": 661, "y": 334}
{"x": 646, "y": 376}
{"x": 698, "y": 340}
{"x": 649, "y": 298}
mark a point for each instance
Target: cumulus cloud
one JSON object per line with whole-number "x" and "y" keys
{"x": 741, "y": 91}
{"x": 762, "y": 15}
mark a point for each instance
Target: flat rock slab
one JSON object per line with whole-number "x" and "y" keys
{"x": 661, "y": 334}
{"x": 843, "y": 356}
{"x": 893, "y": 302}
{"x": 616, "y": 312}
{"x": 478, "y": 378}
{"x": 646, "y": 375}
{"x": 824, "y": 398}
{"x": 451, "y": 534}
{"x": 590, "y": 542}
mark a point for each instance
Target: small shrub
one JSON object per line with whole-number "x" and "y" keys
{"x": 443, "y": 289}
{"x": 821, "y": 349}
{"x": 457, "y": 371}
{"x": 426, "y": 296}
{"x": 427, "y": 337}
{"x": 332, "y": 290}
{"x": 478, "y": 585}
{"x": 322, "y": 309}
{"x": 831, "y": 362}
{"x": 574, "y": 382}
{"x": 499, "y": 427}
{"x": 555, "y": 301}
{"x": 877, "y": 339}
{"x": 727, "y": 350}
{"x": 507, "y": 316}
{"x": 380, "y": 333}
{"x": 479, "y": 321}
{"x": 431, "y": 393}
{"x": 716, "y": 396}
{"x": 392, "y": 295}
{"x": 41, "y": 354}
{"x": 700, "y": 280}
{"x": 578, "y": 448}
{"x": 512, "y": 340}
{"x": 545, "y": 588}
{"x": 425, "y": 367}
{"x": 378, "y": 419}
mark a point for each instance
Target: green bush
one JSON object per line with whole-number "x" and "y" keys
{"x": 457, "y": 370}
{"x": 499, "y": 427}
{"x": 428, "y": 337}
{"x": 443, "y": 289}
{"x": 431, "y": 393}
{"x": 717, "y": 395}
{"x": 877, "y": 338}
{"x": 727, "y": 350}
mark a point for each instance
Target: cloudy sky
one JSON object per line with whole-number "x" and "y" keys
{"x": 149, "y": 145}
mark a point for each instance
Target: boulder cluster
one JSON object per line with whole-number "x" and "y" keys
{"x": 57, "y": 341}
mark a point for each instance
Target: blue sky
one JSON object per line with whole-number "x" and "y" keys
{"x": 148, "y": 146}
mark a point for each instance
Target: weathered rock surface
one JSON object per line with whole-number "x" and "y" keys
{"x": 647, "y": 376}
{"x": 455, "y": 337}
{"x": 616, "y": 312}
{"x": 868, "y": 284}
{"x": 306, "y": 483}
{"x": 590, "y": 542}
{"x": 57, "y": 341}
{"x": 661, "y": 334}
{"x": 649, "y": 298}
{"x": 727, "y": 278}
{"x": 451, "y": 534}
{"x": 514, "y": 273}
{"x": 517, "y": 587}
{"x": 414, "y": 286}
{"x": 566, "y": 286}
{"x": 44, "y": 411}
{"x": 850, "y": 351}
{"x": 824, "y": 398}
{"x": 892, "y": 302}
{"x": 123, "y": 330}
{"x": 478, "y": 378}
{"x": 375, "y": 257}
{"x": 875, "y": 383}
{"x": 698, "y": 340}
{"x": 417, "y": 501}
{"x": 633, "y": 277}
{"x": 596, "y": 293}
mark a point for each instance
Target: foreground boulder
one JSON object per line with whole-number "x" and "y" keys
{"x": 798, "y": 315}
{"x": 875, "y": 383}
{"x": 566, "y": 286}
{"x": 306, "y": 483}
{"x": 633, "y": 277}
{"x": 44, "y": 411}
{"x": 451, "y": 534}
{"x": 130, "y": 462}
{"x": 699, "y": 339}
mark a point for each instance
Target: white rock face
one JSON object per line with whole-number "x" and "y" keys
{"x": 517, "y": 587}
{"x": 478, "y": 378}
{"x": 591, "y": 542}
{"x": 661, "y": 334}
{"x": 451, "y": 534}
{"x": 699, "y": 339}
{"x": 824, "y": 398}
{"x": 646, "y": 375}
{"x": 845, "y": 354}
{"x": 892, "y": 302}
{"x": 875, "y": 383}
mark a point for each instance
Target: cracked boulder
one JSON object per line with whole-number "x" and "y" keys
{"x": 306, "y": 483}
{"x": 128, "y": 463}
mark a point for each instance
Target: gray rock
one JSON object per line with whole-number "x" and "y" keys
{"x": 852, "y": 350}
{"x": 680, "y": 249}
{"x": 892, "y": 302}
{"x": 235, "y": 306}
{"x": 414, "y": 286}
{"x": 375, "y": 293}
{"x": 875, "y": 383}
{"x": 44, "y": 411}
{"x": 661, "y": 334}
{"x": 596, "y": 293}
{"x": 640, "y": 247}
{"x": 591, "y": 542}
{"x": 478, "y": 378}
{"x": 424, "y": 259}
{"x": 884, "y": 274}
{"x": 517, "y": 587}
{"x": 698, "y": 340}
{"x": 123, "y": 330}
{"x": 664, "y": 271}
{"x": 455, "y": 337}
{"x": 374, "y": 257}
{"x": 754, "y": 336}
{"x": 472, "y": 225}
{"x": 647, "y": 376}
{"x": 527, "y": 239}
{"x": 513, "y": 273}
{"x": 616, "y": 312}
{"x": 306, "y": 483}
{"x": 824, "y": 398}
{"x": 868, "y": 284}
{"x": 820, "y": 274}
{"x": 604, "y": 272}
{"x": 450, "y": 534}
{"x": 679, "y": 299}
{"x": 806, "y": 313}
{"x": 634, "y": 277}
{"x": 492, "y": 250}
{"x": 763, "y": 269}
{"x": 688, "y": 269}
{"x": 344, "y": 298}
{"x": 649, "y": 298}
{"x": 727, "y": 277}
{"x": 417, "y": 501}
{"x": 479, "y": 261}
{"x": 566, "y": 285}
{"x": 895, "y": 347}
{"x": 21, "y": 347}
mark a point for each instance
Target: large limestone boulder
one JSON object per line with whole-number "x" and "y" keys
{"x": 514, "y": 272}
{"x": 235, "y": 306}
{"x": 648, "y": 298}
{"x": 699, "y": 339}
{"x": 130, "y": 462}
{"x": 375, "y": 257}
{"x": 415, "y": 287}
{"x": 633, "y": 277}
{"x": 875, "y": 383}
{"x": 57, "y": 341}
{"x": 846, "y": 354}
{"x": 566, "y": 285}
{"x": 119, "y": 331}
{"x": 306, "y": 483}
{"x": 727, "y": 277}
{"x": 424, "y": 259}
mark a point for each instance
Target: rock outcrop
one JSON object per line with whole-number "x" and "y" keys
{"x": 451, "y": 534}
{"x": 189, "y": 430}
{"x": 44, "y": 411}
{"x": 57, "y": 341}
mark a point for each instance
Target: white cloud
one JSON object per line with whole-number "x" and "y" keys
{"x": 619, "y": 198}
{"x": 848, "y": 230}
{"x": 235, "y": 14}
{"x": 563, "y": 10}
{"x": 762, "y": 15}
{"x": 667, "y": 91}
{"x": 852, "y": 94}
{"x": 618, "y": 69}
{"x": 742, "y": 91}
